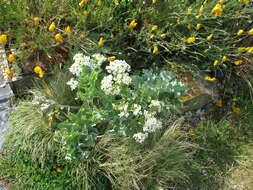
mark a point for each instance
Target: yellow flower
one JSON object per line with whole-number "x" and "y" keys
{"x": 154, "y": 1}
{"x": 224, "y": 58}
{"x": 152, "y": 36}
{"x": 85, "y": 13}
{"x": 59, "y": 170}
{"x": 112, "y": 58}
{"x": 209, "y": 37}
{"x": 184, "y": 98}
{"x": 236, "y": 109}
{"x": 216, "y": 62}
{"x": 218, "y": 103}
{"x": 83, "y": 2}
{"x": 163, "y": 35}
{"x": 242, "y": 49}
{"x": 206, "y": 50}
{"x": 198, "y": 26}
{"x": 154, "y": 27}
{"x": 116, "y": 2}
{"x": 217, "y": 10}
{"x": 191, "y": 133}
{"x": 38, "y": 70}
{"x": 36, "y": 20}
{"x": 191, "y": 39}
{"x": 101, "y": 42}
{"x": 58, "y": 38}
{"x": 240, "y": 32}
{"x": 250, "y": 50}
{"x": 211, "y": 79}
{"x": 47, "y": 91}
{"x": 250, "y": 32}
{"x": 132, "y": 24}
{"x": 52, "y": 27}
{"x": 155, "y": 50}
{"x": 3, "y": 39}
{"x": 9, "y": 73}
{"x": 82, "y": 36}
{"x": 189, "y": 26}
{"x": 222, "y": 1}
{"x": 11, "y": 58}
{"x": 189, "y": 11}
{"x": 239, "y": 62}
{"x": 68, "y": 30}
{"x": 201, "y": 9}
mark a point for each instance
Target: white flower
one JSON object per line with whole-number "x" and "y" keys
{"x": 99, "y": 58}
{"x": 124, "y": 110}
{"x": 156, "y": 104}
{"x": 72, "y": 83}
{"x": 79, "y": 61}
{"x": 140, "y": 137}
{"x": 136, "y": 109}
{"x": 151, "y": 125}
{"x": 122, "y": 78}
{"x": 108, "y": 86}
{"x": 117, "y": 67}
{"x": 44, "y": 107}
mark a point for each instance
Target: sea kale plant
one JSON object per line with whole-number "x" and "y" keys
{"x": 116, "y": 101}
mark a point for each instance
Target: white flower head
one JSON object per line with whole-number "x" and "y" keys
{"x": 117, "y": 67}
{"x": 79, "y": 61}
{"x": 151, "y": 125}
{"x": 99, "y": 58}
{"x": 72, "y": 83}
{"x": 140, "y": 137}
{"x": 156, "y": 104}
{"x": 136, "y": 109}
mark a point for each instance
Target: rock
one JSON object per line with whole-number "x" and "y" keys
{"x": 200, "y": 92}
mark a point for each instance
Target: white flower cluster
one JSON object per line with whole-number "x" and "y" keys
{"x": 72, "y": 83}
{"x": 118, "y": 70}
{"x": 79, "y": 61}
{"x": 140, "y": 137}
{"x": 136, "y": 109}
{"x": 99, "y": 58}
{"x": 156, "y": 105}
{"x": 123, "y": 108}
{"x": 151, "y": 125}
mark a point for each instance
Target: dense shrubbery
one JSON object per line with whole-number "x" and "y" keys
{"x": 104, "y": 113}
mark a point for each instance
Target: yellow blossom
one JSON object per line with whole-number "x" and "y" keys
{"x": 85, "y": 13}
{"x": 154, "y": 27}
{"x": 101, "y": 42}
{"x": 217, "y": 10}
{"x": 36, "y": 20}
{"x": 189, "y": 10}
{"x": 83, "y": 2}
{"x": 52, "y": 27}
{"x": 116, "y": 2}
{"x": 112, "y": 58}
{"x": 191, "y": 133}
{"x": 250, "y": 32}
{"x": 201, "y": 9}
{"x": 47, "y": 91}
{"x": 198, "y": 26}
{"x": 189, "y": 26}
{"x": 155, "y": 50}
{"x": 152, "y": 36}
{"x": 9, "y": 73}
{"x": 216, "y": 62}
{"x": 236, "y": 109}
{"x": 163, "y": 35}
{"x": 211, "y": 79}
{"x": 222, "y": 1}
{"x": 82, "y": 36}
{"x": 38, "y": 70}
{"x": 184, "y": 98}
{"x": 242, "y": 49}
{"x": 59, "y": 170}
{"x": 250, "y": 50}
{"x": 240, "y": 32}
{"x": 3, "y": 39}
{"x": 191, "y": 39}
{"x": 132, "y": 24}
{"x": 206, "y": 50}
{"x": 224, "y": 58}
{"x": 209, "y": 37}
{"x": 58, "y": 38}
{"x": 68, "y": 30}
{"x": 239, "y": 62}
{"x": 11, "y": 58}
{"x": 154, "y": 1}
{"x": 218, "y": 103}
